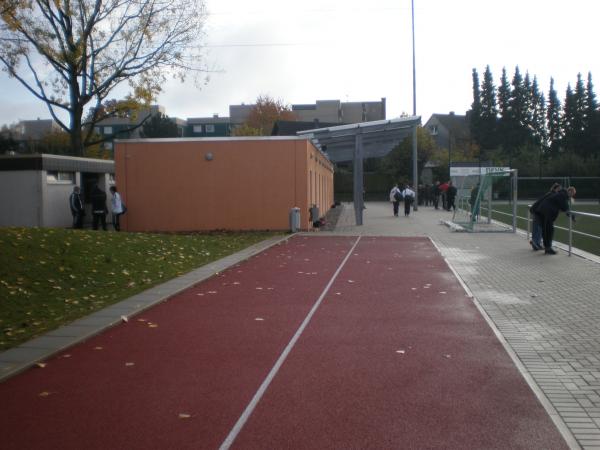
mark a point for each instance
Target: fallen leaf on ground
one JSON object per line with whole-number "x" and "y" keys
{"x": 98, "y": 348}
{"x": 184, "y": 416}
{"x": 129, "y": 364}
{"x": 124, "y": 319}
{"x": 41, "y": 365}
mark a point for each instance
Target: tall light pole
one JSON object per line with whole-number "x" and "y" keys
{"x": 414, "y": 140}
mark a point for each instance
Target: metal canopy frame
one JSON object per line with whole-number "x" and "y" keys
{"x": 365, "y": 140}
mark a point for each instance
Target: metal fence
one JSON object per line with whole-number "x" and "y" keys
{"x": 570, "y": 229}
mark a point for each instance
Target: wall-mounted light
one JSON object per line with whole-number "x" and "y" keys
{"x": 208, "y": 156}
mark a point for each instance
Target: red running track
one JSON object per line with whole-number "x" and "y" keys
{"x": 395, "y": 356}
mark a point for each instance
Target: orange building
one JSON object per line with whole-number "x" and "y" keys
{"x": 200, "y": 184}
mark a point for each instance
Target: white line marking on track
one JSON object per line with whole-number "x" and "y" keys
{"x": 265, "y": 384}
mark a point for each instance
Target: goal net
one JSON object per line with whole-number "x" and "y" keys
{"x": 486, "y": 201}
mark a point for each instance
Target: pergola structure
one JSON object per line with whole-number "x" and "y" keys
{"x": 365, "y": 140}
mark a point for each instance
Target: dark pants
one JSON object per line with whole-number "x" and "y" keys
{"x": 115, "y": 221}
{"x": 537, "y": 229}
{"x": 436, "y": 201}
{"x": 396, "y": 204}
{"x": 99, "y": 218}
{"x": 450, "y": 203}
{"x": 547, "y": 231}
{"x": 407, "y": 202}
{"x": 78, "y": 219}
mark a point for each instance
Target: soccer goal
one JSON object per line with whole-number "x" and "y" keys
{"x": 487, "y": 202}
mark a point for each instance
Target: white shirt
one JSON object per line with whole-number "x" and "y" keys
{"x": 408, "y": 192}
{"x": 116, "y": 203}
{"x": 393, "y": 193}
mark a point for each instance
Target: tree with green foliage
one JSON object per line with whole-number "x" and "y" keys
{"x": 554, "y": 121}
{"x": 398, "y": 163}
{"x": 159, "y": 126}
{"x": 475, "y": 116}
{"x": 72, "y": 54}
{"x": 263, "y": 115}
{"x": 489, "y": 112}
{"x": 504, "y": 110}
{"x": 591, "y": 122}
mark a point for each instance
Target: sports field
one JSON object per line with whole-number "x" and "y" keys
{"x": 588, "y": 225}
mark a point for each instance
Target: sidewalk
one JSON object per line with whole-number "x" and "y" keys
{"x": 546, "y": 309}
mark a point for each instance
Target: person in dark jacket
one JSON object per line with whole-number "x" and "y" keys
{"x": 435, "y": 194}
{"x": 537, "y": 223}
{"x": 76, "y": 206}
{"x": 99, "y": 209}
{"x": 451, "y": 196}
{"x": 549, "y": 209}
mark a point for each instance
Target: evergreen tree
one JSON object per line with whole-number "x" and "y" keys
{"x": 489, "y": 112}
{"x": 592, "y": 121}
{"x": 569, "y": 124}
{"x": 475, "y": 116}
{"x": 553, "y": 117}
{"x": 159, "y": 126}
{"x": 579, "y": 119}
{"x": 518, "y": 117}
{"x": 504, "y": 111}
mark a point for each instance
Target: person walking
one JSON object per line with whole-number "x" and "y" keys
{"x": 395, "y": 198}
{"x": 435, "y": 194}
{"x": 475, "y": 203}
{"x": 537, "y": 222}
{"x": 451, "y": 196}
{"x": 117, "y": 207}
{"x": 444, "y": 194}
{"x": 76, "y": 205}
{"x": 549, "y": 209}
{"x": 409, "y": 198}
{"x": 99, "y": 209}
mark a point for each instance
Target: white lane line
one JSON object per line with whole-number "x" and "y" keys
{"x": 265, "y": 384}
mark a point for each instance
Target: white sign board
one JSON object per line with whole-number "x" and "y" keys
{"x": 466, "y": 171}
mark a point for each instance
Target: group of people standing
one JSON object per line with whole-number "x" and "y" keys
{"x": 428, "y": 194}
{"x": 545, "y": 211}
{"x": 99, "y": 208}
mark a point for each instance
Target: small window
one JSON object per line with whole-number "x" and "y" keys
{"x": 97, "y": 130}
{"x": 434, "y": 130}
{"x": 57, "y": 177}
{"x": 197, "y": 128}
{"x": 108, "y": 145}
{"x": 108, "y": 130}
{"x": 210, "y": 128}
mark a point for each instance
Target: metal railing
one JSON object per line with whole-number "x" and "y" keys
{"x": 570, "y": 230}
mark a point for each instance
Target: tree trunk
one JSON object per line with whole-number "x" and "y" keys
{"x": 75, "y": 132}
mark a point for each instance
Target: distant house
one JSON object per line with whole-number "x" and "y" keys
{"x": 214, "y": 126}
{"x": 121, "y": 127}
{"x": 450, "y": 131}
{"x": 332, "y": 112}
{"x": 35, "y": 189}
{"x": 34, "y": 130}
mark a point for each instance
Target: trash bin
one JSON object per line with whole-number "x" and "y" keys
{"x": 294, "y": 219}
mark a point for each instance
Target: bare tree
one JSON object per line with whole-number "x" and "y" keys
{"x": 71, "y": 54}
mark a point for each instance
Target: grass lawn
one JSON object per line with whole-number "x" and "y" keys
{"x": 582, "y": 224}
{"x": 50, "y": 277}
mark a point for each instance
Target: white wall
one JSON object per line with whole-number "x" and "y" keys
{"x": 21, "y": 198}
{"x": 56, "y": 210}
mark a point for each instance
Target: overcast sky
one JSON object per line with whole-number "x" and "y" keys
{"x": 353, "y": 50}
